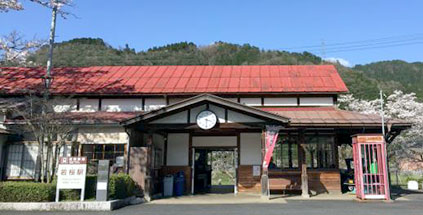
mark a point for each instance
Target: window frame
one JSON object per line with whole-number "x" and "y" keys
{"x": 293, "y": 139}
{"x": 94, "y": 152}
{"x": 319, "y": 149}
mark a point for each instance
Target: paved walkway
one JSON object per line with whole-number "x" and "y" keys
{"x": 409, "y": 204}
{"x": 230, "y": 198}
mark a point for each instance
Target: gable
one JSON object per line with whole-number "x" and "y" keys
{"x": 224, "y": 115}
{"x": 187, "y": 110}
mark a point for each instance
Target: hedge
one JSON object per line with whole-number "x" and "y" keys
{"x": 120, "y": 186}
{"x": 27, "y": 192}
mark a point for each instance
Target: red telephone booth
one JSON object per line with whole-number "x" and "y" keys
{"x": 370, "y": 170}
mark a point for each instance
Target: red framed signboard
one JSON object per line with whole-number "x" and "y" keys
{"x": 71, "y": 174}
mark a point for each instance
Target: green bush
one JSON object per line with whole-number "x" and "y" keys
{"x": 419, "y": 179}
{"x": 120, "y": 187}
{"x": 26, "y": 192}
{"x": 73, "y": 195}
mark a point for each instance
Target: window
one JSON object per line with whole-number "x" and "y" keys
{"x": 21, "y": 160}
{"x": 96, "y": 152}
{"x": 285, "y": 153}
{"x": 319, "y": 152}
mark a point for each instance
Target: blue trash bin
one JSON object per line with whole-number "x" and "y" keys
{"x": 179, "y": 185}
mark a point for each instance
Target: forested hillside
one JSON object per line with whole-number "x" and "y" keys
{"x": 396, "y": 74}
{"x": 363, "y": 81}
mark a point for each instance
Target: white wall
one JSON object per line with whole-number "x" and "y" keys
{"x": 195, "y": 111}
{"x": 64, "y": 105}
{"x": 175, "y": 100}
{"x": 121, "y": 105}
{"x": 316, "y": 101}
{"x": 239, "y": 117}
{"x": 203, "y": 141}
{"x": 2, "y": 119}
{"x": 102, "y": 135}
{"x": 250, "y": 149}
{"x": 232, "y": 99}
{"x": 288, "y": 101}
{"x": 88, "y": 105}
{"x": 180, "y": 117}
{"x": 220, "y": 112}
{"x": 251, "y": 101}
{"x": 177, "y": 149}
{"x": 154, "y": 103}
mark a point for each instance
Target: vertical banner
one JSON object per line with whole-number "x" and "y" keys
{"x": 271, "y": 135}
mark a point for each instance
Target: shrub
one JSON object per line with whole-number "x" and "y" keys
{"x": 26, "y": 192}
{"x": 121, "y": 186}
{"x": 74, "y": 195}
{"x": 419, "y": 179}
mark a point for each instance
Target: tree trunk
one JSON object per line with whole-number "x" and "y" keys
{"x": 54, "y": 162}
{"x": 42, "y": 166}
{"x": 48, "y": 163}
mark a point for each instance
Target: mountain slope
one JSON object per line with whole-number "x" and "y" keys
{"x": 396, "y": 74}
{"x": 363, "y": 81}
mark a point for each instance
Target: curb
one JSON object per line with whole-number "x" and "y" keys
{"x": 66, "y": 206}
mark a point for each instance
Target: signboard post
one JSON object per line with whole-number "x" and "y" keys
{"x": 71, "y": 174}
{"x": 102, "y": 180}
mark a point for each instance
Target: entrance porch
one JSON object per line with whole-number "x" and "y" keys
{"x": 169, "y": 140}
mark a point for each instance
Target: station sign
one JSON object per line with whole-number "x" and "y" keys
{"x": 71, "y": 174}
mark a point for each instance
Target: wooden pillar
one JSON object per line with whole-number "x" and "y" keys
{"x": 148, "y": 190}
{"x": 265, "y": 172}
{"x": 303, "y": 164}
{"x": 304, "y": 181}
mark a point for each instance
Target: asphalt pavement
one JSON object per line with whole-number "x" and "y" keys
{"x": 411, "y": 204}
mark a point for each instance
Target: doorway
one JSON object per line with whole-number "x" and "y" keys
{"x": 215, "y": 170}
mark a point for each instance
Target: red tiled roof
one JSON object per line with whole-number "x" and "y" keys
{"x": 118, "y": 80}
{"x": 330, "y": 116}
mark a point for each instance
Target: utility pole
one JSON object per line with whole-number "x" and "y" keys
{"x": 48, "y": 78}
{"x": 382, "y": 115}
{"x": 47, "y": 83}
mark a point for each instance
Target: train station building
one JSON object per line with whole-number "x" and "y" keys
{"x": 153, "y": 121}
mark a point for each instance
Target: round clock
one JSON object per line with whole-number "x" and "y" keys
{"x": 206, "y": 119}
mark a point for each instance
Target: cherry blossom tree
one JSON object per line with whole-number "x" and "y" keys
{"x": 408, "y": 146}
{"x": 6, "y": 5}
{"x": 14, "y": 49}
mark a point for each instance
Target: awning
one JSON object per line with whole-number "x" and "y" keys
{"x": 4, "y": 131}
{"x": 87, "y": 118}
{"x": 331, "y": 117}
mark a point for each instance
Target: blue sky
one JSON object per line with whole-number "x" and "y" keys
{"x": 268, "y": 24}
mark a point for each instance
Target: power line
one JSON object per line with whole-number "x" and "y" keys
{"x": 396, "y": 42}
{"x": 395, "y": 38}
{"x": 376, "y": 47}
